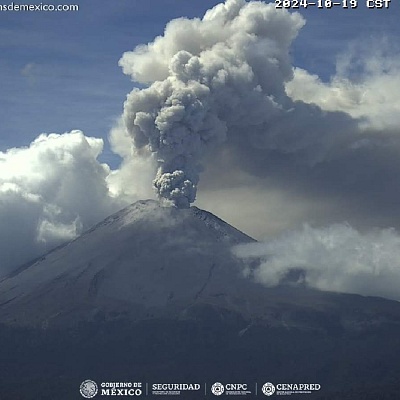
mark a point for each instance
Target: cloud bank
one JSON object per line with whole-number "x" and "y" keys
{"x": 366, "y": 85}
{"x": 337, "y": 258}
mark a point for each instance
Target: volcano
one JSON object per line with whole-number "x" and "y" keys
{"x": 143, "y": 261}
{"x": 155, "y": 293}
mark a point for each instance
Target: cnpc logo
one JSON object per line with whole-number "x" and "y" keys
{"x": 217, "y": 389}
{"x": 229, "y": 389}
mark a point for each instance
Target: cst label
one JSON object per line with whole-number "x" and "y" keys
{"x": 378, "y": 3}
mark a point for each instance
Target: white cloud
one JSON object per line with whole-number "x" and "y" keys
{"x": 49, "y": 193}
{"x": 31, "y": 71}
{"x": 132, "y": 180}
{"x": 366, "y": 85}
{"x": 337, "y": 258}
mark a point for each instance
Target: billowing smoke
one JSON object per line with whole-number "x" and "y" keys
{"x": 209, "y": 78}
{"x": 337, "y": 258}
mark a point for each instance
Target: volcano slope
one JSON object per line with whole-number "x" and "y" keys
{"x": 154, "y": 294}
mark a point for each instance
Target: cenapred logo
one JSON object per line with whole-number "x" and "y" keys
{"x": 268, "y": 389}
{"x": 88, "y": 389}
{"x": 217, "y": 388}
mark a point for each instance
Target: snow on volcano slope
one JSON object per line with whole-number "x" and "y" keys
{"x": 142, "y": 260}
{"x": 149, "y": 261}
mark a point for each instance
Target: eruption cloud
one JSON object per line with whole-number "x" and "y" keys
{"x": 207, "y": 78}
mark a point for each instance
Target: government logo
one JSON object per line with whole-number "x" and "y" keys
{"x": 88, "y": 389}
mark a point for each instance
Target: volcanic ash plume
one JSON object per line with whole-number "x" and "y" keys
{"x": 206, "y": 79}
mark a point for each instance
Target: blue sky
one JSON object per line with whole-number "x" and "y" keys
{"x": 59, "y": 71}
